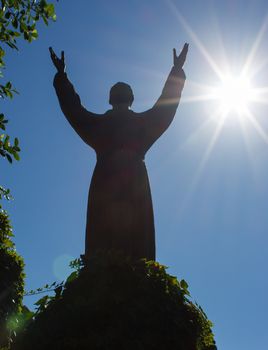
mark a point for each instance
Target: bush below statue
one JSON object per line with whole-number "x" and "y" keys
{"x": 115, "y": 303}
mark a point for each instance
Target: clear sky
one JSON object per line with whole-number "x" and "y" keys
{"x": 208, "y": 172}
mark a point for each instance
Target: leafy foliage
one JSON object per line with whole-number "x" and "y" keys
{"x": 11, "y": 279}
{"x": 18, "y": 19}
{"x": 4, "y": 194}
{"x": 46, "y": 288}
{"x": 115, "y": 303}
{"x": 7, "y": 150}
{"x": 11, "y": 275}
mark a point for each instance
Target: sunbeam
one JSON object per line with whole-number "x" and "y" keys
{"x": 202, "y": 164}
{"x": 209, "y": 149}
{"x": 257, "y": 126}
{"x": 197, "y": 98}
{"x": 196, "y": 134}
{"x": 247, "y": 68}
{"x": 195, "y": 39}
{"x": 261, "y": 95}
{"x": 232, "y": 95}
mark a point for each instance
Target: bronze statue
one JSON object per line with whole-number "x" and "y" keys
{"x": 120, "y": 212}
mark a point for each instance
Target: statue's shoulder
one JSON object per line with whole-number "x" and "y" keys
{"x": 138, "y": 116}
{"x": 108, "y": 113}
{"x": 134, "y": 114}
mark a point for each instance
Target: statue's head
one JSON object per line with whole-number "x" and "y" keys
{"x": 121, "y": 95}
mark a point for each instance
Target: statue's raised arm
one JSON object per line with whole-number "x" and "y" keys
{"x": 82, "y": 121}
{"x": 158, "y": 118}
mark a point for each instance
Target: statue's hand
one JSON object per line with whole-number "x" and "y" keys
{"x": 59, "y": 63}
{"x": 180, "y": 60}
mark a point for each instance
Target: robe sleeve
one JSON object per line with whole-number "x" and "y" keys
{"x": 81, "y": 120}
{"x": 156, "y": 120}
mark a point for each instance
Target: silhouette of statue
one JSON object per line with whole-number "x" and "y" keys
{"x": 120, "y": 212}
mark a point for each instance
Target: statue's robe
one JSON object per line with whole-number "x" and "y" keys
{"x": 120, "y": 212}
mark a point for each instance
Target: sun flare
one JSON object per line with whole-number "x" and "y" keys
{"x": 234, "y": 94}
{"x": 227, "y": 97}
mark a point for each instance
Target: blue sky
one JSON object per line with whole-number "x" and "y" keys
{"x": 210, "y": 194}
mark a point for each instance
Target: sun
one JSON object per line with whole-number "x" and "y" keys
{"x": 234, "y": 95}
{"x": 231, "y": 96}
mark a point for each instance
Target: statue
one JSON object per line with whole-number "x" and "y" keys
{"x": 120, "y": 212}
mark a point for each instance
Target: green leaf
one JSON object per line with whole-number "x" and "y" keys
{"x": 15, "y": 23}
{"x": 50, "y": 10}
{"x": 23, "y": 26}
{"x": 34, "y": 34}
{"x": 45, "y": 20}
{"x": 42, "y": 301}
{"x": 9, "y": 158}
{"x": 72, "y": 277}
{"x": 6, "y": 143}
{"x": 184, "y": 284}
{"x": 58, "y": 291}
{"x": 7, "y": 15}
{"x": 16, "y": 156}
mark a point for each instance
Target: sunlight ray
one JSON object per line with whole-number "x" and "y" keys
{"x": 262, "y": 90}
{"x": 248, "y": 147}
{"x": 195, "y": 38}
{"x": 258, "y": 67}
{"x": 198, "y": 98}
{"x": 261, "y": 95}
{"x": 209, "y": 149}
{"x": 257, "y": 126}
{"x": 195, "y": 134}
{"x": 202, "y": 165}
{"x": 197, "y": 85}
{"x": 256, "y": 44}
{"x": 220, "y": 45}
{"x": 235, "y": 94}
{"x": 263, "y": 101}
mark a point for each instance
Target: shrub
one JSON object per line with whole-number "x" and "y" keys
{"x": 115, "y": 303}
{"x": 11, "y": 280}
